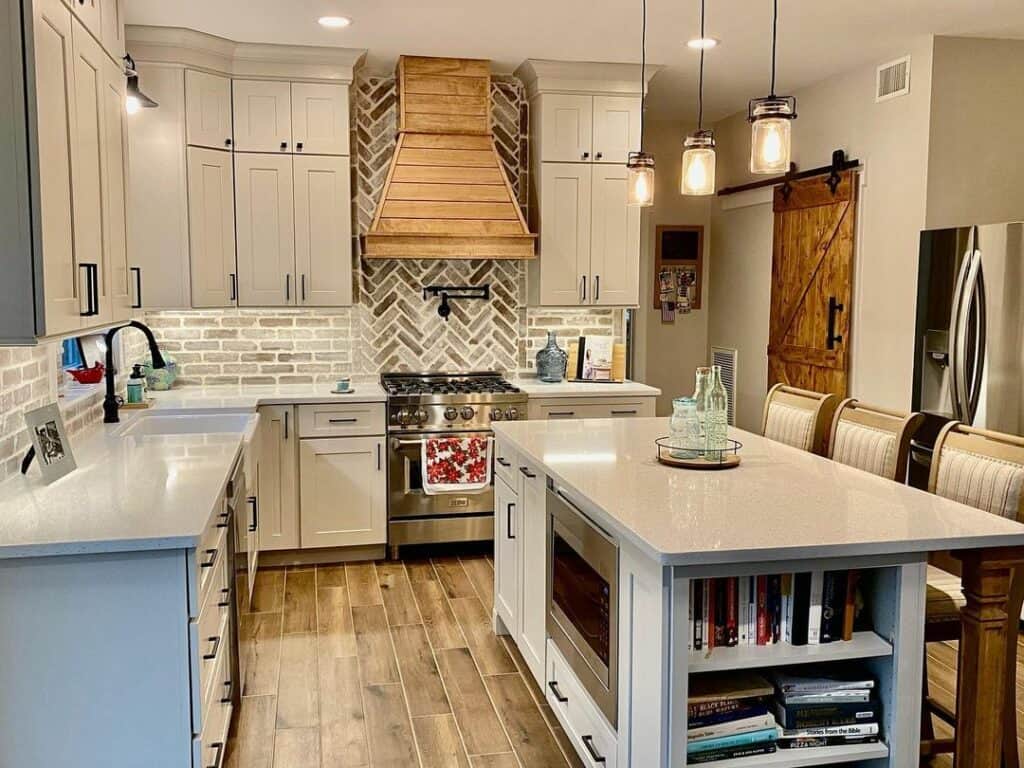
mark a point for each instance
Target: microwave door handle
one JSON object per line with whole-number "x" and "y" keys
{"x": 980, "y": 333}
{"x": 955, "y": 358}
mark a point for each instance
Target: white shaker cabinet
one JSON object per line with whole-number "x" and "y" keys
{"x": 565, "y": 205}
{"x": 323, "y": 231}
{"x": 211, "y": 228}
{"x": 320, "y": 118}
{"x": 567, "y": 130}
{"x": 278, "y": 479}
{"x": 507, "y": 585}
{"x": 343, "y": 492}
{"x": 616, "y": 128}
{"x": 262, "y": 115}
{"x": 112, "y": 27}
{"x": 207, "y": 110}
{"x": 88, "y": 14}
{"x": 265, "y": 226}
{"x": 614, "y": 239}
{"x": 113, "y": 174}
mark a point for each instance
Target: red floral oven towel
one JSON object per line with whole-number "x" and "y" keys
{"x": 456, "y": 465}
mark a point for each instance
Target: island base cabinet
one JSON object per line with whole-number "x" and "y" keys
{"x": 590, "y": 734}
{"x": 507, "y": 585}
{"x": 278, "y": 523}
{"x": 534, "y": 596}
{"x": 342, "y": 492}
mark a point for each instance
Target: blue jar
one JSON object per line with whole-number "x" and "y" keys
{"x": 551, "y": 361}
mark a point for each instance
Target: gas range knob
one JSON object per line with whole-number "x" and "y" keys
{"x": 467, "y": 412}
{"x": 404, "y": 416}
{"x": 512, "y": 413}
{"x": 450, "y": 413}
{"x": 496, "y": 414}
{"x": 421, "y": 416}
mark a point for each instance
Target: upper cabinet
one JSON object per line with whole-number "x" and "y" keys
{"x": 588, "y": 129}
{"x": 211, "y": 214}
{"x": 323, "y": 238}
{"x": 616, "y": 128}
{"x": 207, "y": 110}
{"x": 320, "y": 118}
{"x": 112, "y": 27}
{"x": 263, "y": 115}
{"x": 265, "y": 223}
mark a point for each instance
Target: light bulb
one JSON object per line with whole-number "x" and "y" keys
{"x": 770, "y": 146}
{"x": 132, "y": 105}
{"x": 698, "y": 176}
{"x": 640, "y": 180}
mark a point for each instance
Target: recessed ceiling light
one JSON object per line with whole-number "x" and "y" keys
{"x": 334, "y": 22}
{"x": 702, "y": 43}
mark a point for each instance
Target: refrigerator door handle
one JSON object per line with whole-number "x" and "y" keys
{"x": 980, "y": 334}
{"x": 955, "y": 358}
{"x": 969, "y": 298}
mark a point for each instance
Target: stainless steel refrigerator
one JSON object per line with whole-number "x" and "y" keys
{"x": 969, "y": 345}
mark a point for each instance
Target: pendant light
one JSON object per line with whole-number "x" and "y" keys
{"x": 640, "y": 165}
{"x": 698, "y": 175}
{"x": 135, "y": 99}
{"x": 770, "y": 117}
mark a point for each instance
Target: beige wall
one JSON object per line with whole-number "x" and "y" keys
{"x": 667, "y": 354}
{"x": 891, "y": 139}
{"x": 976, "y": 147}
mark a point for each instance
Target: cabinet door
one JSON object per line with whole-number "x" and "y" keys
{"x": 323, "y": 231}
{"x": 616, "y": 128}
{"x": 263, "y": 115}
{"x": 615, "y": 240}
{"x": 343, "y": 492}
{"x": 211, "y": 213}
{"x": 320, "y": 118}
{"x": 565, "y": 234}
{"x": 566, "y": 128}
{"x": 87, "y": 171}
{"x": 278, "y": 479}
{"x": 207, "y": 110}
{"x": 55, "y": 117}
{"x": 112, "y": 25}
{"x": 533, "y": 629}
{"x": 115, "y": 240}
{"x": 265, "y": 222}
{"x": 88, "y": 13}
{"x": 506, "y": 555}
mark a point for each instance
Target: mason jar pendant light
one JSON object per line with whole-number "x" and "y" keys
{"x": 698, "y": 175}
{"x": 770, "y": 117}
{"x": 640, "y": 165}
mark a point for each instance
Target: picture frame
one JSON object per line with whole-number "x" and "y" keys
{"x": 679, "y": 252}
{"x": 50, "y": 441}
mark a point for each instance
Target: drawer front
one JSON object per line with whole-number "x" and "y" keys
{"x": 594, "y": 740}
{"x": 604, "y": 408}
{"x": 210, "y": 558}
{"x": 505, "y": 462}
{"x": 341, "y": 419}
{"x": 210, "y": 643}
{"x": 213, "y": 742}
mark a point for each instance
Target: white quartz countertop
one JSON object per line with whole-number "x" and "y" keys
{"x": 779, "y": 504}
{"x": 145, "y": 492}
{"x": 534, "y": 387}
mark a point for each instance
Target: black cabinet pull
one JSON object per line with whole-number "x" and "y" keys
{"x": 834, "y": 307}
{"x": 561, "y": 413}
{"x": 624, "y": 413}
{"x": 504, "y": 462}
{"x": 234, "y": 286}
{"x": 597, "y": 287}
{"x": 553, "y": 685}
{"x": 284, "y": 145}
{"x": 303, "y": 281}
{"x": 255, "y": 504}
{"x": 526, "y": 471}
{"x": 219, "y": 746}
{"x": 214, "y": 649}
{"x": 138, "y": 287}
{"x": 227, "y": 142}
{"x": 378, "y": 457}
{"x": 227, "y": 594}
{"x": 588, "y": 742}
{"x": 213, "y": 559}
{"x": 299, "y": 146}
{"x": 224, "y": 517}
{"x": 286, "y": 425}
{"x": 583, "y": 281}
{"x": 230, "y": 685}
{"x": 509, "y": 520}
{"x": 586, "y": 155}
{"x": 342, "y": 421}
{"x": 599, "y": 155}
{"x": 288, "y": 287}
{"x": 92, "y": 291}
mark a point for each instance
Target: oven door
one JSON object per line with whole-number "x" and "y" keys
{"x": 583, "y": 570}
{"x": 406, "y": 498}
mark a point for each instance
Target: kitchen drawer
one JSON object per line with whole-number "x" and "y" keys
{"x": 591, "y": 735}
{"x": 505, "y": 462}
{"x": 341, "y": 419}
{"x": 209, "y": 644}
{"x": 208, "y": 557}
{"x": 593, "y": 408}
{"x": 208, "y": 749}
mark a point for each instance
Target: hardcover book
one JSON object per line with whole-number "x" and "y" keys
{"x": 726, "y": 686}
{"x": 795, "y": 716}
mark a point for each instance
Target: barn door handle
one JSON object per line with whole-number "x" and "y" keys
{"x": 834, "y": 307}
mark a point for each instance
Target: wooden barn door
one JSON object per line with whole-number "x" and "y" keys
{"x": 812, "y": 277}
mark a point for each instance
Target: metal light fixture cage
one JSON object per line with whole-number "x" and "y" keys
{"x": 698, "y": 169}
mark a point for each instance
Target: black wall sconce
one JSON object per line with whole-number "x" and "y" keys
{"x": 448, "y": 292}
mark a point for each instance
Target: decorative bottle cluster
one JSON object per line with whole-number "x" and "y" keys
{"x": 716, "y": 417}
{"x": 700, "y": 424}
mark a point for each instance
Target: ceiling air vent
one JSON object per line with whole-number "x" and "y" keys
{"x": 726, "y": 359}
{"x": 893, "y": 79}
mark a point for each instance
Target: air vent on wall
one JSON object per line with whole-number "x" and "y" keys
{"x": 726, "y": 359}
{"x": 893, "y": 79}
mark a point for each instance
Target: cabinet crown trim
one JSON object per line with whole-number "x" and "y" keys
{"x": 595, "y": 78}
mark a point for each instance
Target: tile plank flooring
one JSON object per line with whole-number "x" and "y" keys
{"x": 374, "y": 665}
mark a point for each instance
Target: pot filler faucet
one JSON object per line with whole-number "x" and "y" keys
{"x": 110, "y": 401}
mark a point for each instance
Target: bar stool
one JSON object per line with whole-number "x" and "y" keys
{"x": 798, "y": 417}
{"x": 873, "y": 439}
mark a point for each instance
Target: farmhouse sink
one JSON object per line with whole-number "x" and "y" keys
{"x": 186, "y": 424}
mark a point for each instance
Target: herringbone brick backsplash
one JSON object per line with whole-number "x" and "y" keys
{"x": 391, "y": 326}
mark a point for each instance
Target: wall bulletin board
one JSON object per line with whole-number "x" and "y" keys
{"x": 678, "y": 269}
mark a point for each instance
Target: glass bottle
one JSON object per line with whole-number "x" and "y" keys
{"x": 684, "y": 429}
{"x": 716, "y": 423}
{"x": 701, "y": 393}
{"x": 551, "y": 361}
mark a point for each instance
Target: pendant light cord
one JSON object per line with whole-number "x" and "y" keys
{"x": 775, "y": 36}
{"x": 643, "y": 71}
{"x": 700, "y": 85}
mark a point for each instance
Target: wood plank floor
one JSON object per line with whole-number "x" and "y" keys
{"x": 387, "y": 664}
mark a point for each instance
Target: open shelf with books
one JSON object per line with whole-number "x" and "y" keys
{"x": 809, "y": 758}
{"x": 863, "y": 645}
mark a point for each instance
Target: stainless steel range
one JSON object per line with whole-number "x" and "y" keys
{"x": 423, "y": 405}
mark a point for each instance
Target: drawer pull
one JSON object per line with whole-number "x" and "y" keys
{"x": 508, "y": 520}
{"x": 230, "y": 685}
{"x": 254, "y": 502}
{"x": 213, "y": 559}
{"x": 561, "y": 413}
{"x": 226, "y": 602}
{"x": 224, "y": 520}
{"x": 588, "y": 742}
{"x": 343, "y": 421}
{"x": 219, "y": 746}
{"x": 214, "y": 649}
{"x": 632, "y": 412}
{"x": 553, "y": 685}
{"x": 504, "y": 462}
{"x": 526, "y": 471}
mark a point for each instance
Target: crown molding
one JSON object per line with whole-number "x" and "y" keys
{"x": 199, "y": 50}
{"x": 546, "y": 76}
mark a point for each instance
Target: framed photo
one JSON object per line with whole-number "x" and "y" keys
{"x": 679, "y": 254}
{"x": 53, "y": 450}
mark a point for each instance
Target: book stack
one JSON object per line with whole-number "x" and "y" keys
{"x": 824, "y": 708}
{"x": 729, "y": 716}
{"x": 796, "y": 608}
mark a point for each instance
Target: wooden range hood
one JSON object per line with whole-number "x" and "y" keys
{"x": 446, "y": 194}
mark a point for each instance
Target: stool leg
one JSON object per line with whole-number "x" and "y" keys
{"x": 927, "y": 727}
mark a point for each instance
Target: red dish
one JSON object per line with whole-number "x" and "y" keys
{"x": 92, "y": 375}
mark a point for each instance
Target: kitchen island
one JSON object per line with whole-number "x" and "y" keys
{"x": 780, "y": 511}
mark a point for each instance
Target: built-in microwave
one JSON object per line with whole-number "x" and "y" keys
{"x": 583, "y": 600}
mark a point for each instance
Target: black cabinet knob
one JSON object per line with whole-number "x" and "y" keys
{"x": 284, "y": 145}
{"x": 227, "y": 142}
{"x": 299, "y": 146}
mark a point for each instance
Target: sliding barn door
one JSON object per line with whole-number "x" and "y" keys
{"x": 812, "y": 277}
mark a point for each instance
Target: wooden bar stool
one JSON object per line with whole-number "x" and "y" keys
{"x": 985, "y": 470}
{"x": 798, "y": 417}
{"x": 874, "y": 439}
